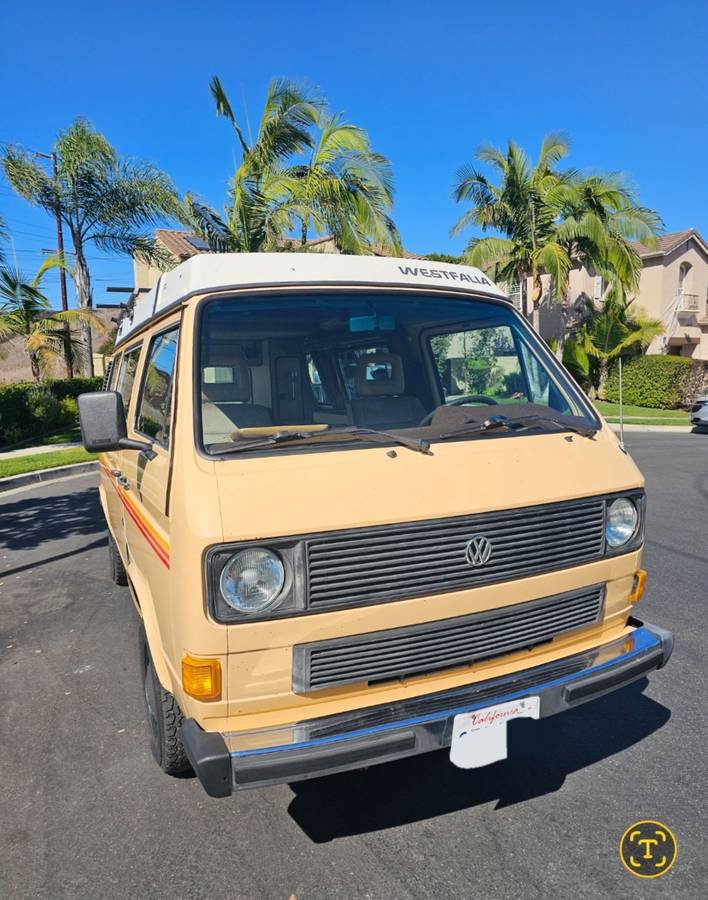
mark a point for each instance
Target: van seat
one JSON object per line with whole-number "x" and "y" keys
{"x": 379, "y": 399}
{"x": 226, "y": 405}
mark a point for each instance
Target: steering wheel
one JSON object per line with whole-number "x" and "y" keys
{"x": 459, "y": 401}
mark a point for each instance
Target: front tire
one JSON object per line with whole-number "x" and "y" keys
{"x": 118, "y": 573}
{"x": 164, "y": 722}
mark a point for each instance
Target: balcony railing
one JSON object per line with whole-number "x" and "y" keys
{"x": 688, "y": 303}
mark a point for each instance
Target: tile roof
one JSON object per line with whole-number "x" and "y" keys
{"x": 177, "y": 242}
{"x": 180, "y": 244}
{"x": 667, "y": 243}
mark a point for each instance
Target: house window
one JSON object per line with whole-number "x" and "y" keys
{"x": 683, "y": 281}
{"x": 515, "y": 294}
{"x": 600, "y": 286}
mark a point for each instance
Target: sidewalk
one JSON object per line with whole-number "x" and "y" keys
{"x": 659, "y": 429}
{"x": 30, "y": 451}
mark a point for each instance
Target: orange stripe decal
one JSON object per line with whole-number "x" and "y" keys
{"x": 157, "y": 543}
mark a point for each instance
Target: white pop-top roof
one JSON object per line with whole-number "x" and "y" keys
{"x": 211, "y": 272}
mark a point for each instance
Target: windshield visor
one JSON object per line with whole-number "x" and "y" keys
{"x": 322, "y": 363}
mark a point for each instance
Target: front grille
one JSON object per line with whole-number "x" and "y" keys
{"x": 420, "y": 558}
{"x": 418, "y": 649}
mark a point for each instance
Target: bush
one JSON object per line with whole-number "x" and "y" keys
{"x": 29, "y": 410}
{"x": 72, "y": 387}
{"x": 663, "y": 382}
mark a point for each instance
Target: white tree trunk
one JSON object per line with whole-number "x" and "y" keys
{"x": 84, "y": 300}
{"x": 602, "y": 379}
{"x": 560, "y": 347}
{"x": 536, "y": 318}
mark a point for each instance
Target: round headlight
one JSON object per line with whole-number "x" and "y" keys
{"x": 622, "y": 518}
{"x": 252, "y": 580}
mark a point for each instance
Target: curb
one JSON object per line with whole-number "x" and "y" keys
{"x": 17, "y": 481}
{"x": 652, "y": 429}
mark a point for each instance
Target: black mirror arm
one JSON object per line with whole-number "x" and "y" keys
{"x": 142, "y": 446}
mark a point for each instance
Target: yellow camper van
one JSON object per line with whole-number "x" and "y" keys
{"x": 362, "y": 513}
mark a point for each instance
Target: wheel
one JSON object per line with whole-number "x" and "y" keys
{"x": 459, "y": 401}
{"x": 164, "y": 722}
{"x": 118, "y": 573}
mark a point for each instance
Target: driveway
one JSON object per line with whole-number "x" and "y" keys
{"x": 86, "y": 813}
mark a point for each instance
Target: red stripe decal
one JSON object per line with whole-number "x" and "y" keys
{"x": 157, "y": 549}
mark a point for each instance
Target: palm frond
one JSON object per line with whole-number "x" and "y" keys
{"x": 554, "y": 147}
{"x": 27, "y": 178}
{"x": 223, "y": 108}
{"x": 488, "y": 252}
{"x": 209, "y": 225}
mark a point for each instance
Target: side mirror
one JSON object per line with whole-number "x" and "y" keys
{"x": 103, "y": 426}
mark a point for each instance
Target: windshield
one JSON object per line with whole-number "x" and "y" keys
{"x": 328, "y": 366}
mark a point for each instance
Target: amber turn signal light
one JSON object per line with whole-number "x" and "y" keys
{"x": 201, "y": 678}
{"x": 640, "y": 580}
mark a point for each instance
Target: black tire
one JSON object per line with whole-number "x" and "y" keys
{"x": 118, "y": 573}
{"x": 164, "y": 719}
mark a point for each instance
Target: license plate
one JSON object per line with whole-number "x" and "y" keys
{"x": 479, "y": 737}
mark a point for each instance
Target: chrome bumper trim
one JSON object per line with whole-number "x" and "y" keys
{"x": 382, "y": 733}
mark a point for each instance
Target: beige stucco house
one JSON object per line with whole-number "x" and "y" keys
{"x": 673, "y": 288}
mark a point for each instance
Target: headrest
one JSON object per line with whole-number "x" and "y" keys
{"x": 379, "y": 375}
{"x": 236, "y": 391}
{"x": 220, "y": 353}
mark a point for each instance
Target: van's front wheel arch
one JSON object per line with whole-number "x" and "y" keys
{"x": 164, "y": 719}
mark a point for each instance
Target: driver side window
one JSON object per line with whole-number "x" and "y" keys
{"x": 480, "y": 362}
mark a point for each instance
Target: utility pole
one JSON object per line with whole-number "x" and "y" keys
{"x": 62, "y": 271}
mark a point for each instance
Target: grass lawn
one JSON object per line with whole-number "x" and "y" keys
{"x": 642, "y": 415}
{"x": 18, "y": 465}
{"x": 68, "y": 436}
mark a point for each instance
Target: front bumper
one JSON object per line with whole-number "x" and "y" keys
{"x": 379, "y": 734}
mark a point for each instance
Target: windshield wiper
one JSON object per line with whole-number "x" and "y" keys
{"x": 419, "y": 444}
{"x": 285, "y": 437}
{"x": 493, "y": 423}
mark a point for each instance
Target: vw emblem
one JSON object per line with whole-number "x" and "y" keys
{"x": 478, "y": 550}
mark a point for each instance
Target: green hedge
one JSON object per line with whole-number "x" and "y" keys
{"x": 30, "y": 409}
{"x": 663, "y": 382}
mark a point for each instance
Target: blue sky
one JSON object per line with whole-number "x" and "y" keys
{"x": 627, "y": 81}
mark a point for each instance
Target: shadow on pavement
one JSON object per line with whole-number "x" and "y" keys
{"x": 32, "y": 521}
{"x": 541, "y": 755}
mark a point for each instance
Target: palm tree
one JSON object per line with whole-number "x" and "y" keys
{"x": 344, "y": 187}
{"x": 552, "y": 221}
{"x": 46, "y": 334}
{"x": 599, "y": 219}
{"x": 523, "y": 208}
{"x": 3, "y": 235}
{"x": 255, "y": 218}
{"x": 102, "y": 198}
{"x": 607, "y": 334}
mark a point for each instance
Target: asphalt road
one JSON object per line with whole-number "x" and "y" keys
{"x": 84, "y": 812}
